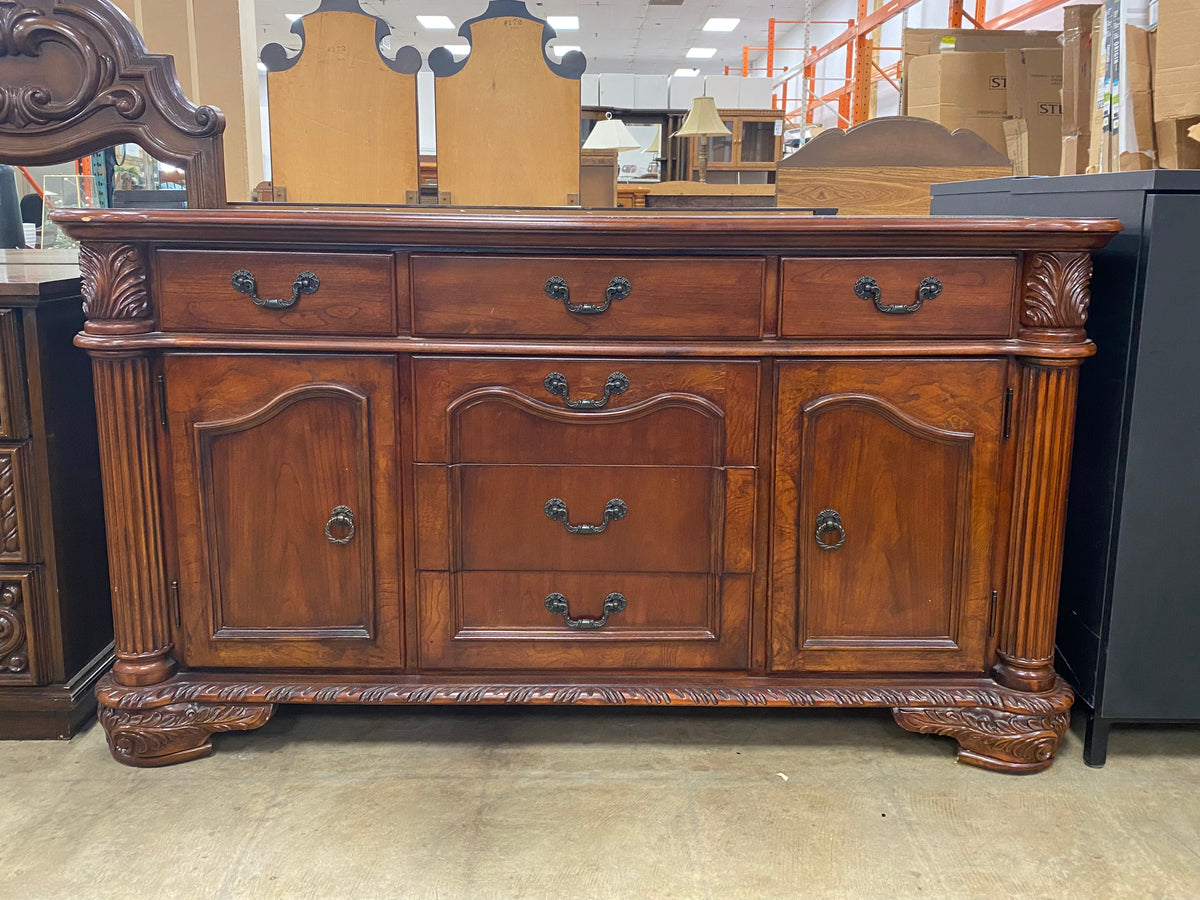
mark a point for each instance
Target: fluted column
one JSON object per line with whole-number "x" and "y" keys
{"x": 115, "y": 302}
{"x": 1053, "y": 311}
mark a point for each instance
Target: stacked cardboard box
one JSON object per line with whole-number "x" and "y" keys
{"x": 1177, "y": 83}
{"x": 1006, "y": 86}
{"x": 1078, "y": 88}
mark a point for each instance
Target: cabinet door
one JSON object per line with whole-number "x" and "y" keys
{"x": 286, "y": 502}
{"x": 887, "y": 490}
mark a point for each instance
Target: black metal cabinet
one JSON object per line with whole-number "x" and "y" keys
{"x": 1129, "y": 612}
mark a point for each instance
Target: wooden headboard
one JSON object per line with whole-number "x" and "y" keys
{"x": 884, "y": 166}
{"x": 75, "y": 78}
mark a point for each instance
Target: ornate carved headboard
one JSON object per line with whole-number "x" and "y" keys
{"x": 884, "y": 166}
{"x": 75, "y": 77}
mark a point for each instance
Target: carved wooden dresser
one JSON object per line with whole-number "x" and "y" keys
{"x": 584, "y": 458}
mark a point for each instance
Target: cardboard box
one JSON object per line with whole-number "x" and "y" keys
{"x": 1178, "y": 146}
{"x": 1078, "y": 85}
{"x": 961, "y": 90}
{"x": 1101, "y": 128}
{"x": 1177, "y": 60}
{"x": 925, "y": 41}
{"x": 1136, "y": 149}
{"x": 1034, "y": 93}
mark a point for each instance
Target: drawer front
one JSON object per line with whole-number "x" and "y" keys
{"x": 352, "y": 293}
{"x": 18, "y": 538}
{"x": 598, "y": 518}
{"x": 556, "y": 620}
{"x": 14, "y": 412}
{"x": 21, "y": 625}
{"x": 582, "y": 412}
{"x": 585, "y": 296}
{"x": 883, "y": 297}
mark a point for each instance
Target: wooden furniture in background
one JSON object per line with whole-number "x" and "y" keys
{"x": 749, "y": 154}
{"x": 77, "y": 78}
{"x": 1130, "y": 604}
{"x": 702, "y": 195}
{"x": 632, "y": 196}
{"x": 598, "y": 179}
{"x": 728, "y": 459}
{"x": 55, "y": 621}
{"x": 343, "y": 116}
{"x": 884, "y": 166}
{"x": 507, "y": 117}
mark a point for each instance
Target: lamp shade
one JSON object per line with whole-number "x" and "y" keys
{"x": 611, "y": 134}
{"x": 703, "y": 120}
{"x": 655, "y": 146}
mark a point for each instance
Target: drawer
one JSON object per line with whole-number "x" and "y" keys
{"x": 14, "y": 410}
{"x": 501, "y": 620}
{"x": 20, "y": 621}
{"x": 585, "y": 411}
{"x": 974, "y": 297}
{"x": 352, "y": 293}
{"x": 565, "y": 296}
{"x": 634, "y": 519}
{"x": 18, "y": 537}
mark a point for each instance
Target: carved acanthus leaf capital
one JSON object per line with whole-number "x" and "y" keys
{"x": 1056, "y": 290}
{"x": 114, "y": 282}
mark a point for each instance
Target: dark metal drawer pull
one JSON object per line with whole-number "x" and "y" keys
{"x": 558, "y": 289}
{"x": 341, "y": 518}
{"x": 556, "y": 383}
{"x": 868, "y": 289}
{"x": 305, "y": 283}
{"x": 614, "y": 509}
{"x": 613, "y": 603}
{"x": 829, "y": 522}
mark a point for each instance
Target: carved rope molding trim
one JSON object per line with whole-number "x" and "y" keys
{"x": 10, "y": 528}
{"x": 997, "y": 698}
{"x": 1057, "y": 290}
{"x": 114, "y": 282}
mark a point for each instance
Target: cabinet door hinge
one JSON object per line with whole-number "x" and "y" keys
{"x": 992, "y": 613}
{"x": 1008, "y": 405}
{"x": 162, "y": 400}
{"x": 175, "y": 603}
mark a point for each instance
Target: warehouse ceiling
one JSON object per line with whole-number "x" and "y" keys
{"x": 633, "y": 36}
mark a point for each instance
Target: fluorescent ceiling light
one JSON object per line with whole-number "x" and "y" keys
{"x": 721, "y": 24}
{"x": 436, "y": 22}
{"x": 563, "y": 23}
{"x": 459, "y": 49}
{"x": 702, "y": 53}
{"x": 564, "y": 49}
{"x": 686, "y": 73}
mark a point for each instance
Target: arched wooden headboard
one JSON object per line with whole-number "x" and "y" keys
{"x": 75, "y": 78}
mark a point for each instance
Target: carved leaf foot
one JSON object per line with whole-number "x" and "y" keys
{"x": 165, "y": 735}
{"x": 995, "y": 739}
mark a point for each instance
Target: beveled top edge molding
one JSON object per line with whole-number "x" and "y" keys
{"x": 545, "y": 230}
{"x": 407, "y": 60}
{"x": 443, "y": 64}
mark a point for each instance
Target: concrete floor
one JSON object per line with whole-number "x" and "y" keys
{"x": 594, "y": 803}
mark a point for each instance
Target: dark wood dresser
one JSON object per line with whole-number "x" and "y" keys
{"x": 56, "y": 633}
{"x": 598, "y": 458}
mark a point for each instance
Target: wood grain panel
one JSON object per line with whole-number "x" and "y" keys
{"x": 673, "y": 413}
{"x": 909, "y": 455}
{"x": 498, "y": 620}
{"x": 270, "y": 447}
{"x": 976, "y": 298}
{"x": 700, "y": 298}
{"x": 356, "y": 294}
{"x": 343, "y": 125}
{"x": 14, "y": 411}
{"x": 872, "y": 190}
{"x": 507, "y": 89}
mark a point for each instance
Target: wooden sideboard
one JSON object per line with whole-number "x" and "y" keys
{"x": 584, "y": 458}
{"x": 56, "y": 634}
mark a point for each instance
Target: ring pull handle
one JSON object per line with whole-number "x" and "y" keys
{"x": 557, "y": 605}
{"x": 558, "y": 289}
{"x": 340, "y": 520}
{"x": 867, "y": 288}
{"x": 829, "y": 522}
{"x": 614, "y": 509}
{"x": 556, "y": 383}
{"x": 305, "y": 283}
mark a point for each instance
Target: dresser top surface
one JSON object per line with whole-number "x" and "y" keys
{"x": 573, "y": 229}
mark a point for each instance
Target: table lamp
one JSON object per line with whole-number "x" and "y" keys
{"x": 611, "y": 134}
{"x": 702, "y": 122}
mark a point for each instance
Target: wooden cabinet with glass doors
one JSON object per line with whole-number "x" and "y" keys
{"x": 748, "y": 154}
